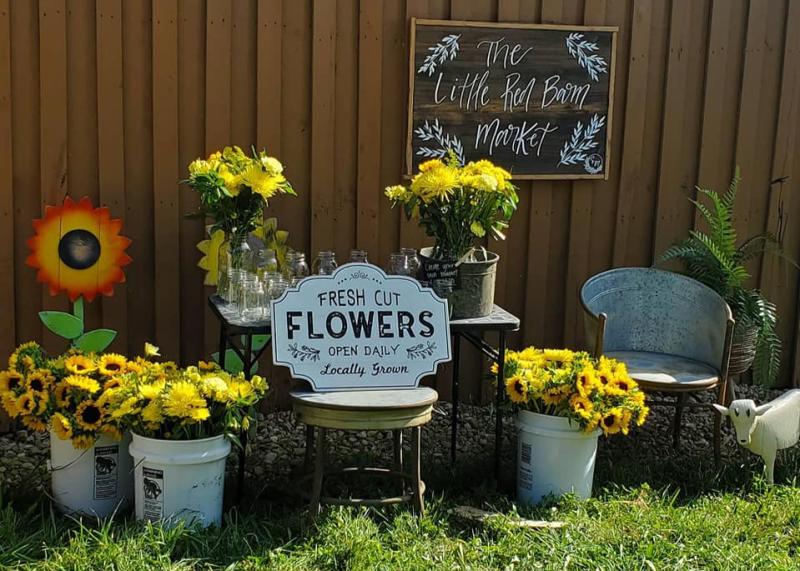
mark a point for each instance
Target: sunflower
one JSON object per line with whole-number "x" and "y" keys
{"x": 555, "y": 394}
{"x": 38, "y": 381}
{"x": 61, "y": 426}
{"x": 10, "y": 380}
{"x": 112, "y": 431}
{"x": 83, "y": 441}
{"x": 83, "y": 382}
{"x": 181, "y": 399}
{"x": 9, "y": 402}
{"x": 78, "y": 249}
{"x": 61, "y": 395}
{"x": 605, "y": 375}
{"x": 26, "y": 404}
{"x": 80, "y": 365}
{"x": 581, "y": 405}
{"x": 111, "y": 364}
{"x": 88, "y": 416}
{"x": 517, "y": 389}
{"x": 207, "y": 366}
{"x": 33, "y": 423}
{"x": 642, "y": 415}
{"x": 558, "y": 356}
{"x": 612, "y": 421}
{"x": 586, "y": 380}
{"x": 620, "y": 385}
{"x": 112, "y": 383}
{"x": 24, "y": 353}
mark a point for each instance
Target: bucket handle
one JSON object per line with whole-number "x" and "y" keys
{"x": 52, "y": 468}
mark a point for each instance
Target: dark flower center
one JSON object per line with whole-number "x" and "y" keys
{"x": 609, "y": 421}
{"x": 518, "y": 387}
{"x": 79, "y": 249}
{"x": 37, "y": 384}
{"x": 91, "y": 414}
{"x": 13, "y": 383}
{"x": 113, "y": 367}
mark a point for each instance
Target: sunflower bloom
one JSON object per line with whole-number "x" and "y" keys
{"x": 581, "y": 405}
{"x": 38, "y": 381}
{"x": 612, "y": 421}
{"x": 83, "y": 441}
{"x": 9, "y": 402}
{"x": 88, "y": 416}
{"x": 34, "y": 423}
{"x": 82, "y": 382}
{"x": 111, "y": 364}
{"x": 517, "y": 389}
{"x": 10, "y": 380}
{"x": 79, "y": 365}
{"x": 61, "y": 426}
{"x": 112, "y": 431}
{"x": 26, "y": 404}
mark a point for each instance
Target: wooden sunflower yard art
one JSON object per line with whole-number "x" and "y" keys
{"x": 77, "y": 249}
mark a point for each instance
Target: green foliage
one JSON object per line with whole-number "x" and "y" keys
{"x": 95, "y": 341}
{"x": 716, "y": 259}
{"x": 62, "y": 324}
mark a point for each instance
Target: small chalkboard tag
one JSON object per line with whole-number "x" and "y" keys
{"x": 153, "y": 493}
{"x": 106, "y": 472}
{"x": 535, "y": 99}
{"x": 360, "y": 329}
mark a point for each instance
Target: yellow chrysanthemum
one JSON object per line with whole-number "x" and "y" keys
{"x": 431, "y": 164}
{"x": 10, "y": 380}
{"x": 111, "y": 364}
{"x": 83, "y": 441}
{"x": 152, "y": 390}
{"x": 152, "y": 413}
{"x": 215, "y": 386}
{"x": 397, "y": 193}
{"x": 259, "y": 383}
{"x": 80, "y": 365}
{"x": 435, "y": 183}
{"x": 232, "y": 181}
{"x": 126, "y": 407}
{"x": 26, "y": 404}
{"x": 83, "y": 383}
{"x": 272, "y": 165}
{"x": 151, "y": 350}
{"x": 517, "y": 389}
{"x": 89, "y": 416}
{"x": 181, "y": 399}
{"x": 34, "y": 423}
{"x": 200, "y": 167}
{"x": 240, "y": 390}
{"x": 61, "y": 426}
{"x": 612, "y": 421}
{"x": 199, "y": 414}
{"x": 261, "y": 181}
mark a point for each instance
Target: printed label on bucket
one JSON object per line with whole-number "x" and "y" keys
{"x": 153, "y": 493}
{"x": 526, "y": 453}
{"x": 106, "y": 472}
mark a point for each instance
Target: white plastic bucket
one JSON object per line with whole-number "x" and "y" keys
{"x": 553, "y": 457}
{"x": 96, "y": 481}
{"x": 180, "y": 480}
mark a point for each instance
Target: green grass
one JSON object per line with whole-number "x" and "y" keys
{"x": 678, "y": 514}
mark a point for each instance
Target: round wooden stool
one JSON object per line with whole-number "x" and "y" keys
{"x": 365, "y": 410}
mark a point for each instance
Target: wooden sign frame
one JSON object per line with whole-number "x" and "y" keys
{"x": 613, "y": 30}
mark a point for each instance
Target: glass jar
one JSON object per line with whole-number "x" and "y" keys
{"x": 358, "y": 256}
{"x": 266, "y": 261}
{"x": 399, "y": 265}
{"x": 234, "y": 255}
{"x": 299, "y": 266}
{"x": 413, "y": 261}
{"x": 277, "y": 286}
{"x": 255, "y": 299}
{"x": 325, "y": 264}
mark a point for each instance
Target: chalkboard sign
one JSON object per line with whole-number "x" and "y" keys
{"x": 360, "y": 329}
{"x": 535, "y": 99}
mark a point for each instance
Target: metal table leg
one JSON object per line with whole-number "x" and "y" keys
{"x": 248, "y": 356}
{"x": 498, "y": 427}
{"x": 455, "y": 397}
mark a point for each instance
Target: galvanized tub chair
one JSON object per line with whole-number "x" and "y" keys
{"x": 673, "y": 333}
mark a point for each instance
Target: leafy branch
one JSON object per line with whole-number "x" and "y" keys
{"x": 583, "y": 51}
{"x": 304, "y": 352}
{"x": 421, "y": 351}
{"x": 582, "y": 141}
{"x": 446, "y": 50}
{"x": 445, "y": 142}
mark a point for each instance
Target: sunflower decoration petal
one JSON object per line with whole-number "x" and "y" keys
{"x": 77, "y": 249}
{"x": 274, "y": 239}
{"x": 210, "y": 260}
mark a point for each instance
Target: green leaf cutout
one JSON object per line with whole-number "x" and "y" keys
{"x": 233, "y": 364}
{"x": 62, "y": 324}
{"x": 95, "y": 341}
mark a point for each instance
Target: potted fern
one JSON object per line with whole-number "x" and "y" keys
{"x": 717, "y": 259}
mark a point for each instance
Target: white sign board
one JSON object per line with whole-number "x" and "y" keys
{"x": 360, "y": 329}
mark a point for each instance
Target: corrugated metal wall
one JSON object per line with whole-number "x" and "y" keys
{"x": 113, "y": 98}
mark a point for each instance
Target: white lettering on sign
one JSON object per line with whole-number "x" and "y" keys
{"x": 360, "y": 329}
{"x": 521, "y": 138}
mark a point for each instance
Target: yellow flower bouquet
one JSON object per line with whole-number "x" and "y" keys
{"x": 234, "y": 187}
{"x": 69, "y": 394}
{"x": 594, "y": 393}
{"x": 457, "y": 205}
{"x": 166, "y": 402}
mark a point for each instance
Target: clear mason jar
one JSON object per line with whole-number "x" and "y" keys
{"x": 413, "y": 261}
{"x": 325, "y": 264}
{"x": 266, "y": 261}
{"x": 234, "y": 255}
{"x": 299, "y": 266}
{"x": 246, "y": 296}
{"x": 358, "y": 256}
{"x": 399, "y": 265}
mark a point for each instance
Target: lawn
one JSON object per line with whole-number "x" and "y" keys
{"x": 678, "y": 513}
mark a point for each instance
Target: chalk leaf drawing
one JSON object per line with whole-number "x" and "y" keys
{"x": 444, "y": 142}
{"x": 582, "y": 141}
{"x": 304, "y": 352}
{"x": 421, "y": 351}
{"x": 446, "y": 50}
{"x": 583, "y": 51}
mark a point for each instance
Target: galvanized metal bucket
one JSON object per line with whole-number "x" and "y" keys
{"x": 468, "y": 283}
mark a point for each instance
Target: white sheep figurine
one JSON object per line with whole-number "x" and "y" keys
{"x": 767, "y": 428}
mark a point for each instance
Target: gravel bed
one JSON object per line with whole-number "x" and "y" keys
{"x": 280, "y": 443}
